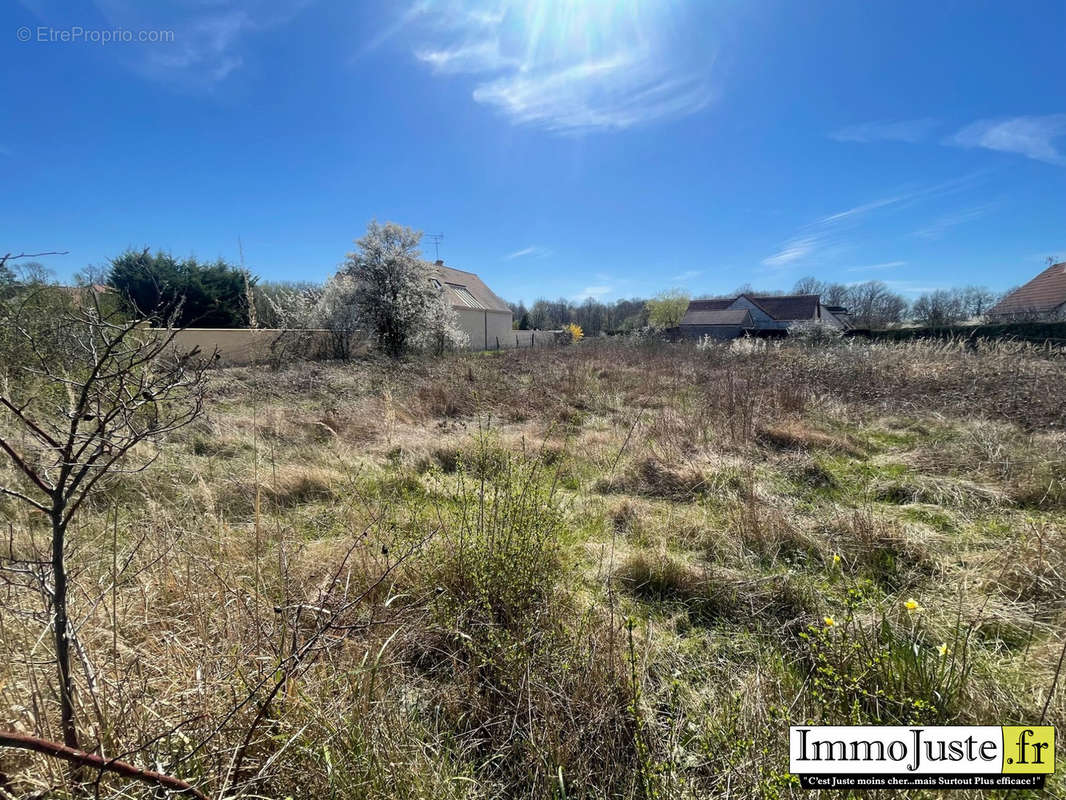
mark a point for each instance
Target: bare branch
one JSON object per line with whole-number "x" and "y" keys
{"x": 22, "y": 741}
{"x": 12, "y": 257}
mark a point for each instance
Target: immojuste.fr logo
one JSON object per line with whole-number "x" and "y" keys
{"x": 943, "y": 757}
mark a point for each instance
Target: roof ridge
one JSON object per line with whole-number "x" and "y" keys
{"x": 453, "y": 269}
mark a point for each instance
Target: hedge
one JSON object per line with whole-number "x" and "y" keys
{"x": 1036, "y": 332}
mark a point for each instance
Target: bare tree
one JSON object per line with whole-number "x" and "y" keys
{"x": 873, "y": 305}
{"x": 976, "y": 300}
{"x": 809, "y": 285}
{"x": 940, "y": 307}
{"x": 80, "y": 388}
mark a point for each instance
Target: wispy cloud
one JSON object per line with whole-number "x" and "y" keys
{"x": 534, "y": 63}
{"x": 826, "y": 237}
{"x": 1032, "y": 137}
{"x": 941, "y": 225}
{"x": 210, "y": 40}
{"x": 793, "y": 250}
{"x": 865, "y": 207}
{"x": 908, "y": 130}
{"x": 875, "y": 267}
{"x": 594, "y": 292}
{"x": 533, "y": 251}
{"x": 824, "y": 234}
{"x": 409, "y": 15}
{"x": 911, "y": 287}
{"x": 687, "y": 275}
{"x": 484, "y": 56}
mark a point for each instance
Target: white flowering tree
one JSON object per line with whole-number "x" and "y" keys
{"x": 330, "y": 307}
{"x": 439, "y": 328}
{"x": 394, "y": 296}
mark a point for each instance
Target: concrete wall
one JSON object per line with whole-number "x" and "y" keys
{"x": 237, "y": 346}
{"x": 485, "y": 327}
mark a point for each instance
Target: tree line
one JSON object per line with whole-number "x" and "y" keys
{"x": 870, "y": 304}
{"x": 217, "y": 294}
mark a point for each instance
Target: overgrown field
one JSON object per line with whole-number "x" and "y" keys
{"x": 607, "y": 571}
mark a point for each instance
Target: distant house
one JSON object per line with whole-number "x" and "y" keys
{"x": 728, "y": 318}
{"x": 1044, "y": 297}
{"x": 482, "y": 314}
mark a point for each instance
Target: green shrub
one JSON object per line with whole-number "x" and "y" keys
{"x": 885, "y": 670}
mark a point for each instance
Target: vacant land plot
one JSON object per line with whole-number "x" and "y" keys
{"x": 612, "y": 570}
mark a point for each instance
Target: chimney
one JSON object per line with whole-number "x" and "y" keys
{"x": 440, "y": 262}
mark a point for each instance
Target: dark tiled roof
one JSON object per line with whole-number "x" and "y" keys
{"x": 717, "y": 316}
{"x": 1045, "y": 292}
{"x": 711, "y": 305}
{"x": 789, "y": 306}
{"x": 458, "y": 281}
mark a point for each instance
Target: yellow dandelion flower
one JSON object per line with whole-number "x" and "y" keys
{"x": 911, "y": 604}
{"x": 943, "y": 649}
{"x": 836, "y": 558}
{"x": 830, "y": 622}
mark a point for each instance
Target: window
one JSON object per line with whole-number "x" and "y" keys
{"x": 464, "y": 295}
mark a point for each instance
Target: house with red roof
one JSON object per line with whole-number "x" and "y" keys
{"x": 1042, "y": 298}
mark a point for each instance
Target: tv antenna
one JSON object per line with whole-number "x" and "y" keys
{"x": 436, "y": 238}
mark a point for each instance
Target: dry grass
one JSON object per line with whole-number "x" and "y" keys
{"x": 599, "y": 571}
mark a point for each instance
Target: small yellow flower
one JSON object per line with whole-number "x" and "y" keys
{"x": 943, "y": 649}
{"x": 830, "y": 622}
{"x": 836, "y": 559}
{"x": 911, "y": 604}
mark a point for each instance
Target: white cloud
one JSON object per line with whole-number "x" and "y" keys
{"x": 864, "y": 208}
{"x": 688, "y": 275}
{"x": 1032, "y": 137}
{"x": 594, "y": 292}
{"x": 793, "y": 250}
{"x": 209, "y": 39}
{"x": 873, "y": 267}
{"x": 943, "y": 224}
{"x": 909, "y": 287}
{"x": 406, "y": 18}
{"x": 616, "y": 92}
{"x": 536, "y": 63}
{"x": 475, "y": 57}
{"x": 824, "y": 237}
{"x": 908, "y": 130}
{"x": 533, "y": 251}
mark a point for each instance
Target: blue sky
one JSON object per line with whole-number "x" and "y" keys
{"x": 563, "y": 147}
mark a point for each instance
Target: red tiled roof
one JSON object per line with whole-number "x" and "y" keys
{"x": 1045, "y": 292}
